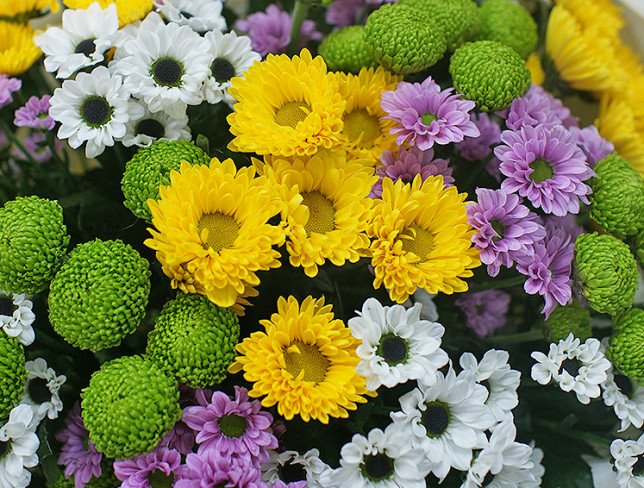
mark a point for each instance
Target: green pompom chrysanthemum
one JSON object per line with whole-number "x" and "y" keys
{"x": 509, "y": 23}
{"x": 607, "y": 271}
{"x": 639, "y": 246}
{"x": 129, "y": 405}
{"x": 33, "y": 241}
{"x": 457, "y": 19}
{"x": 617, "y": 199}
{"x": 194, "y": 340}
{"x": 346, "y": 50}
{"x": 403, "y": 40}
{"x": 150, "y": 168}
{"x": 569, "y": 318}
{"x": 12, "y": 373}
{"x": 99, "y": 295}
{"x": 625, "y": 349}
{"x": 489, "y": 73}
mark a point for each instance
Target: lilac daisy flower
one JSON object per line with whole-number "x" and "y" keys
{"x": 7, "y": 87}
{"x": 344, "y": 12}
{"x": 505, "y": 228}
{"x": 546, "y": 167}
{"x": 210, "y": 468}
{"x": 485, "y": 310}
{"x": 595, "y": 147}
{"x": 235, "y": 426}
{"x": 537, "y": 108}
{"x": 568, "y": 223}
{"x": 78, "y": 453}
{"x": 549, "y": 269}
{"x": 409, "y": 163}
{"x": 292, "y": 484}
{"x": 270, "y": 31}
{"x": 181, "y": 437}
{"x": 425, "y": 115}
{"x": 35, "y": 114}
{"x": 36, "y": 146}
{"x": 160, "y": 467}
{"x": 476, "y": 148}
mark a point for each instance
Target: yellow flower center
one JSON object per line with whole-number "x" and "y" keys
{"x": 291, "y": 113}
{"x": 321, "y": 213}
{"x": 417, "y": 240}
{"x": 360, "y": 123}
{"x": 222, "y": 230}
{"x": 308, "y": 358}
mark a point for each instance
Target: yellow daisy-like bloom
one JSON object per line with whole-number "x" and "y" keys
{"x": 212, "y": 233}
{"x": 304, "y": 362}
{"x": 421, "y": 238}
{"x": 286, "y": 106}
{"x": 366, "y": 134}
{"x": 13, "y": 8}
{"x": 536, "y": 70}
{"x": 17, "y": 49}
{"x": 329, "y": 219}
{"x": 602, "y": 14}
{"x": 128, "y": 10}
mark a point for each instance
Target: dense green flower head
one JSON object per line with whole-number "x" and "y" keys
{"x": 129, "y": 405}
{"x": 569, "y": 318}
{"x": 457, "y": 19}
{"x": 607, "y": 272}
{"x": 625, "y": 348}
{"x": 12, "y": 373}
{"x": 617, "y": 200}
{"x": 99, "y": 295}
{"x": 489, "y": 73}
{"x": 639, "y": 246}
{"x": 150, "y": 168}
{"x": 346, "y": 50}
{"x": 509, "y": 23}
{"x": 404, "y": 40}
{"x": 33, "y": 241}
{"x": 194, "y": 340}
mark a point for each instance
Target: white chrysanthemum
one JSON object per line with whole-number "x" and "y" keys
{"x": 232, "y": 55}
{"x": 536, "y": 458}
{"x": 429, "y": 312}
{"x": 93, "y": 108}
{"x": 153, "y": 127}
{"x": 574, "y": 366}
{"x": 199, "y": 15}
{"x": 165, "y": 65}
{"x": 290, "y": 466}
{"x": 81, "y": 42}
{"x": 503, "y": 463}
{"x": 397, "y": 346}
{"x": 629, "y": 462}
{"x": 447, "y": 421}
{"x": 129, "y": 33}
{"x": 18, "y": 445}
{"x": 42, "y": 390}
{"x": 495, "y": 373}
{"x": 16, "y": 317}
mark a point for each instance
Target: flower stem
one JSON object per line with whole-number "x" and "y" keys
{"x": 300, "y": 9}
{"x": 529, "y": 336}
{"x": 507, "y": 283}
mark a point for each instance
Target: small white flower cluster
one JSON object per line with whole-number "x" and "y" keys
{"x": 144, "y": 76}
{"x": 307, "y": 466}
{"x": 16, "y": 317}
{"x": 629, "y": 462}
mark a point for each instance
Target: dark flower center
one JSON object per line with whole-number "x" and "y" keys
{"x": 292, "y": 472}
{"x": 39, "y": 391}
{"x": 488, "y": 479}
{"x": 6, "y": 306}
{"x": 232, "y": 425}
{"x": 572, "y": 366}
{"x": 499, "y": 228}
{"x": 427, "y": 118}
{"x": 541, "y": 170}
{"x": 435, "y": 418}
{"x": 4, "y": 447}
{"x": 393, "y": 349}
{"x": 624, "y": 384}
{"x": 222, "y": 69}
{"x": 378, "y": 466}
{"x": 186, "y": 15}
{"x": 158, "y": 479}
{"x": 150, "y": 127}
{"x": 86, "y": 47}
{"x": 167, "y": 72}
{"x": 96, "y": 111}
{"x": 638, "y": 467}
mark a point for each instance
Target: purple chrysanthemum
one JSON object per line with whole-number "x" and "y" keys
{"x": 35, "y": 114}
{"x": 37, "y": 147}
{"x": 537, "y": 108}
{"x": 7, "y": 87}
{"x": 426, "y": 115}
{"x": 409, "y": 163}
{"x": 181, "y": 437}
{"x": 549, "y": 269}
{"x": 485, "y": 310}
{"x": 567, "y": 223}
{"x": 210, "y": 469}
{"x": 235, "y": 426}
{"x": 505, "y": 228}
{"x": 292, "y": 484}
{"x": 546, "y": 167}
{"x": 78, "y": 453}
{"x": 161, "y": 465}
{"x": 344, "y": 12}
{"x": 595, "y": 147}
{"x": 270, "y": 31}
{"x": 476, "y": 148}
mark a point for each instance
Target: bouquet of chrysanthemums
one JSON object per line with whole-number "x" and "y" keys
{"x": 336, "y": 244}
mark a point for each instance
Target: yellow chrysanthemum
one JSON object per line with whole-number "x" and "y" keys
{"x": 286, "y": 106}
{"x": 304, "y": 362}
{"x": 14, "y": 8}
{"x": 602, "y": 14}
{"x": 17, "y": 49}
{"x": 329, "y": 219}
{"x": 212, "y": 233}
{"x": 128, "y": 10}
{"x": 366, "y": 134}
{"x": 421, "y": 238}
{"x": 536, "y": 70}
